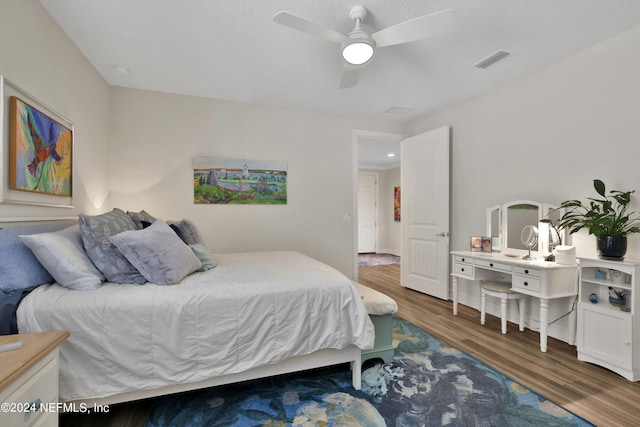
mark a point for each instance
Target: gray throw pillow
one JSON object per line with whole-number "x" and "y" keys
{"x": 96, "y": 231}
{"x": 158, "y": 253}
{"x": 188, "y": 232}
{"x": 138, "y": 217}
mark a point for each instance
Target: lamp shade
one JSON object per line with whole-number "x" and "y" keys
{"x": 357, "y": 52}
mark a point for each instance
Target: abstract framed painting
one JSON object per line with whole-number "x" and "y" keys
{"x": 396, "y": 203}
{"x": 247, "y": 182}
{"x": 36, "y": 151}
{"x": 40, "y": 151}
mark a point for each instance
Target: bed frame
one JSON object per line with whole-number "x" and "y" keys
{"x": 318, "y": 359}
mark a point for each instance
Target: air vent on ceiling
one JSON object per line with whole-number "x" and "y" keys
{"x": 490, "y": 60}
{"x": 397, "y": 110}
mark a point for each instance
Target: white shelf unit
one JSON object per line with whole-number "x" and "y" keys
{"x": 609, "y": 334}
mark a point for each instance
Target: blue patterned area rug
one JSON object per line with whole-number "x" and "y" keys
{"x": 427, "y": 384}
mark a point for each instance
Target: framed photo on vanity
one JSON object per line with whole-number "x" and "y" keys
{"x": 476, "y": 244}
{"x": 486, "y": 244}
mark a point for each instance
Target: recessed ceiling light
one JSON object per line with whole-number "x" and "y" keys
{"x": 391, "y": 155}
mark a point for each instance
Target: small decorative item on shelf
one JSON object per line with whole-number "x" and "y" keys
{"x": 607, "y": 218}
{"x": 593, "y": 298}
{"x": 618, "y": 298}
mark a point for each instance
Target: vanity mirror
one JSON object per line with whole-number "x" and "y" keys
{"x": 505, "y": 223}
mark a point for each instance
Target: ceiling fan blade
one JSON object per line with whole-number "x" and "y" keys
{"x": 301, "y": 24}
{"x": 350, "y": 75}
{"x": 415, "y": 29}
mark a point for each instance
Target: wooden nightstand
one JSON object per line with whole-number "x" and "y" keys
{"x": 29, "y": 377}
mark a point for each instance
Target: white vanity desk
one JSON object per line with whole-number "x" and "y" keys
{"x": 536, "y": 278}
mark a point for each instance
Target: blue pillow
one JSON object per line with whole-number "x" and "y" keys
{"x": 20, "y": 269}
{"x": 206, "y": 258}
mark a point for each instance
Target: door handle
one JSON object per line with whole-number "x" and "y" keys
{"x": 443, "y": 234}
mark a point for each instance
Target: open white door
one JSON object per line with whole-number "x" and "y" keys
{"x": 425, "y": 213}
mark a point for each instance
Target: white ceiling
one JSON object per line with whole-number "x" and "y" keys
{"x": 378, "y": 153}
{"x": 232, "y": 50}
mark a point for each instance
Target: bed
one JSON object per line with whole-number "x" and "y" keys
{"x": 253, "y": 315}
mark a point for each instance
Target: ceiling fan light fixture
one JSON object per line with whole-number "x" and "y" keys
{"x": 357, "y": 52}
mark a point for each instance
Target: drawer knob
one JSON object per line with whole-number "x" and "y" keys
{"x": 462, "y": 259}
{"x": 526, "y": 272}
{"x": 490, "y": 264}
{"x": 462, "y": 269}
{"x": 526, "y": 283}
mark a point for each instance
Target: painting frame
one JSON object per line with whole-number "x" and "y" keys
{"x": 396, "y": 203}
{"x": 11, "y": 191}
{"x": 220, "y": 181}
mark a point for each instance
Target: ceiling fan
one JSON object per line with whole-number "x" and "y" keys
{"x": 358, "y": 46}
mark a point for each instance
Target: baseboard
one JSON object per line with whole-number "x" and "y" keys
{"x": 395, "y": 252}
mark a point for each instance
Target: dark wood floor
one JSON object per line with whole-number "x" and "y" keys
{"x": 594, "y": 393}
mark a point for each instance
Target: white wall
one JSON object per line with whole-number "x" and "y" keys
{"x": 545, "y": 138}
{"x": 36, "y": 55}
{"x": 156, "y": 135}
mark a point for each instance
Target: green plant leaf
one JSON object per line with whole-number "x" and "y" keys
{"x": 599, "y": 186}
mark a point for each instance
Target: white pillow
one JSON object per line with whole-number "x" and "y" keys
{"x": 63, "y": 255}
{"x": 158, "y": 253}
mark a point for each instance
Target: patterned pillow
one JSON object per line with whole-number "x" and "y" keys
{"x": 158, "y": 253}
{"x": 96, "y": 231}
{"x": 139, "y": 217}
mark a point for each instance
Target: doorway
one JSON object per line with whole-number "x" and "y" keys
{"x": 378, "y": 233}
{"x": 424, "y": 234}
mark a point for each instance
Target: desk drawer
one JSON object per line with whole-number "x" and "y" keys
{"x": 463, "y": 269}
{"x": 526, "y": 271}
{"x": 462, "y": 259}
{"x": 531, "y": 284}
{"x": 493, "y": 265}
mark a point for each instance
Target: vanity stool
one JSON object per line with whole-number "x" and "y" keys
{"x": 380, "y": 308}
{"x": 503, "y": 291}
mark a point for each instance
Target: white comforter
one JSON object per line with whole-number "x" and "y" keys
{"x": 253, "y": 309}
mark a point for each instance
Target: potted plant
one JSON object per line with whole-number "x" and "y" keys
{"x": 607, "y": 218}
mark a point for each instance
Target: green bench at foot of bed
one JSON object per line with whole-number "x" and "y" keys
{"x": 380, "y": 308}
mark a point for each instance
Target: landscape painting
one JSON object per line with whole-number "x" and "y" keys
{"x": 40, "y": 152}
{"x": 227, "y": 181}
